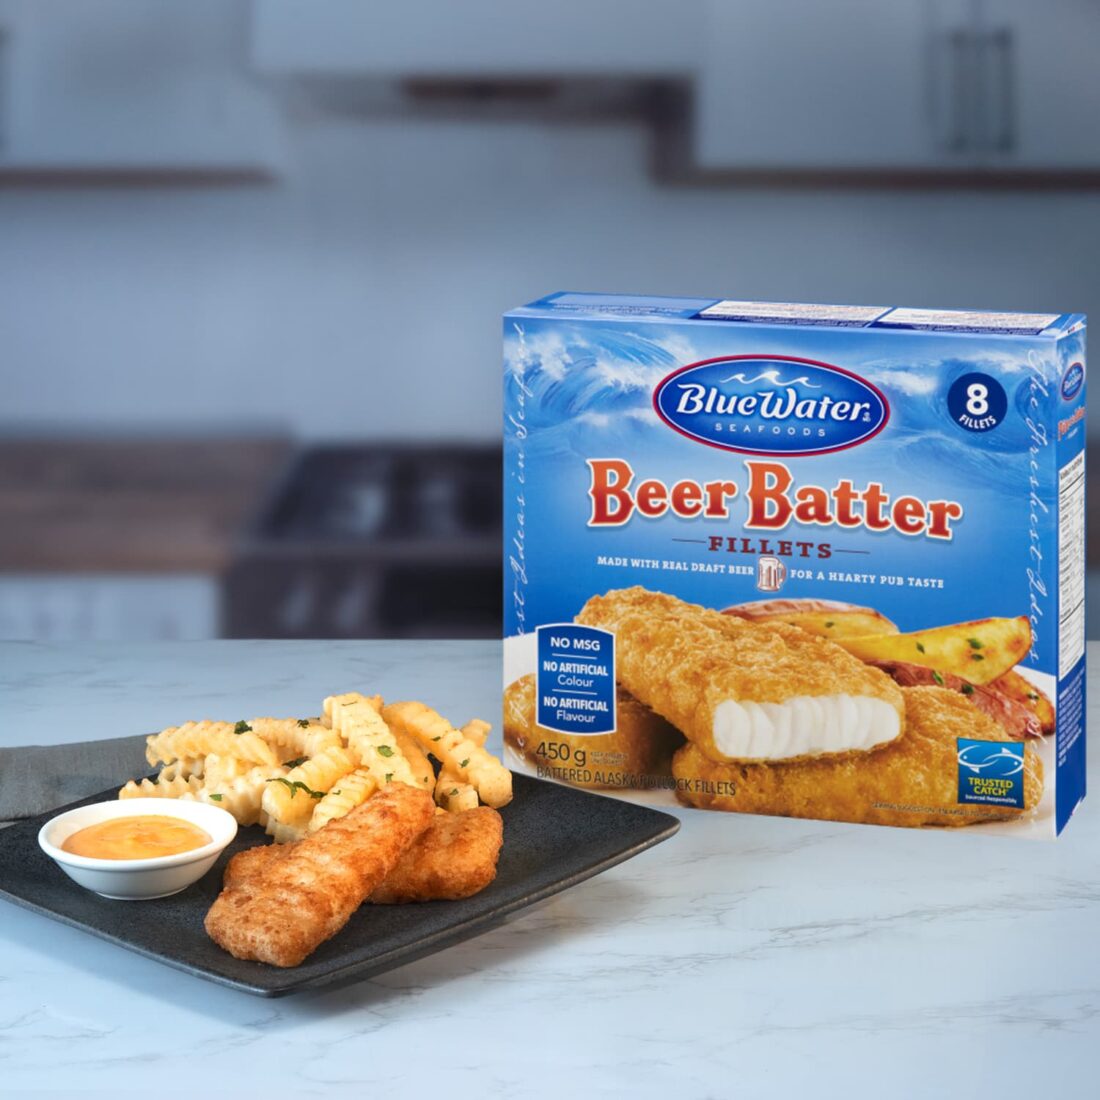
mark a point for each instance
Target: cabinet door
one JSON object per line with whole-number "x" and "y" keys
{"x": 1042, "y": 84}
{"x": 851, "y": 84}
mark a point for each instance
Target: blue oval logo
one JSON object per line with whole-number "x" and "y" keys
{"x": 771, "y": 405}
{"x": 1072, "y": 381}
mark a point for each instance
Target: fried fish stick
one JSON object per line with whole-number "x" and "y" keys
{"x": 251, "y": 861}
{"x": 911, "y": 782}
{"x": 455, "y": 857}
{"x": 483, "y": 771}
{"x": 741, "y": 690}
{"x": 285, "y": 911}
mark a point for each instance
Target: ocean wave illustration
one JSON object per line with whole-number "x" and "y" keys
{"x": 773, "y": 377}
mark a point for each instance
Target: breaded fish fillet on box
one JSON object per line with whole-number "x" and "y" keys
{"x": 745, "y": 691}
{"x": 913, "y": 781}
{"x": 641, "y": 745}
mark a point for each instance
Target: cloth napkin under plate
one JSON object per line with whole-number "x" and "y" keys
{"x": 35, "y": 779}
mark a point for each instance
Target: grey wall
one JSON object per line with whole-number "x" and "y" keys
{"x": 360, "y": 296}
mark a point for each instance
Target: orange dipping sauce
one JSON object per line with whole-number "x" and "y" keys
{"x": 142, "y": 836}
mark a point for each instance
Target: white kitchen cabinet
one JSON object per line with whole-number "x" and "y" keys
{"x": 1043, "y": 84}
{"x": 129, "y": 85}
{"x": 909, "y": 85}
{"x": 476, "y": 38}
{"x": 850, "y": 84}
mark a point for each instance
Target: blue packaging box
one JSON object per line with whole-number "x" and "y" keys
{"x": 802, "y": 560}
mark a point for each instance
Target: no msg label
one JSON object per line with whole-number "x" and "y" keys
{"x": 575, "y": 679}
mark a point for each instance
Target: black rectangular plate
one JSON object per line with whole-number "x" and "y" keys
{"x": 554, "y": 837}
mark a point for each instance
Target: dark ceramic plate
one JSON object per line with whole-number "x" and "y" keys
{"x": 554, "y": 837}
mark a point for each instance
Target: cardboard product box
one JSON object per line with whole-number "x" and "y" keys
{"x": 799, "y": 560}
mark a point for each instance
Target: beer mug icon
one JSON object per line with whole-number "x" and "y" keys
{"x": 770, "y": 574}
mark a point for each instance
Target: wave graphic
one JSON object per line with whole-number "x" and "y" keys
{"x": 580, "y": 391}
{"x": 773, "y": 377}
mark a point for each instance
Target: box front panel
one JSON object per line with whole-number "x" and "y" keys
{"x": 912, "y": 474}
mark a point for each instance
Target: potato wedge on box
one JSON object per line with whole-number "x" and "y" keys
{"x": 1023, "y": 691}
{"x": 825, "y": 618}
{"x": 979, "y": 651}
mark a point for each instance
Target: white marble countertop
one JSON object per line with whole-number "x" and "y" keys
{"x": 745, "y": 957}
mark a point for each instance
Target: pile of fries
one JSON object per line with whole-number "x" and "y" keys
{"x": 295, "y": 775}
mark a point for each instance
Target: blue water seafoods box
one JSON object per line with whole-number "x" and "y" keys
{"x": 800, "y": 560}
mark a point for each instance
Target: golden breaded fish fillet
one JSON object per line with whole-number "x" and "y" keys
{"x": 642, "y": 744}
{"x": 251, "y": 861}
{"x": 913, "y": 781}
{"x": 741, "y": 690}
{"x": 288, "y": 908}
{"x": 455, "y": 857}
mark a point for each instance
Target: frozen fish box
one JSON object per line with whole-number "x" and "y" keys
{"x": 800, "y": 560}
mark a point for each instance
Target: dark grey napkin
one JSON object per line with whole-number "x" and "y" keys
{"x": 37, "y": 778}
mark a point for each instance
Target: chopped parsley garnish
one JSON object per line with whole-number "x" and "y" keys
{"x": 385, "y": 750}
{"x": 215, "y": 798}
{"x": 974, "y": 643}
{"x": 296, "y": 786}
{"x": 967, "y": 689}
{"x": 337, "y": 791}
{"x": 937, "y": 677}
{"x": 829, "y": 626}
{"x": 297, "y": 762}
{"x": 1033, "y": 696}
{"x": 439, "y": 738}
{"x": 920, "y": 647}
{"x": 389, "y": 776}
{"x": 454, "y": 790}
{"x": 304, "y": 723}
{"x": 976, "y": 657}
{"x": 464, "y": 762}
{"x": 242, "y": 727}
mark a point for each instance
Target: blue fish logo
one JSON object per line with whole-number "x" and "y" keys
{"x": 1072, "y": 381}
{"x": 991, "y": 772}
{"x": 771, "y": 405}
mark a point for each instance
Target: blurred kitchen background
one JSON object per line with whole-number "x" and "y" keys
{"x": 253, "y": 255}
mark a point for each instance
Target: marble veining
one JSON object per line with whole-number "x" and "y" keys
{"x": 747, "y": 956}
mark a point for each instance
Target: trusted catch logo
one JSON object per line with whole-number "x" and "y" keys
{"x": 771, "y": 405}
{"x": 991, "y": 772}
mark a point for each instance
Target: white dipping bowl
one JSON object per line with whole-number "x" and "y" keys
{"x": 138, "y": 879}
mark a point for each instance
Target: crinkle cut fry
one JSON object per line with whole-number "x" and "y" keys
{"x": 361, "y": 724}
{"x": 202, "y": 738}
{"x": 434, "y": 733}
{"x": 174, "y": 787}
{"x": 290, "y": 907}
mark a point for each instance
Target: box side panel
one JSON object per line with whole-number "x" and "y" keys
{"x": 1069, "y": 432}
